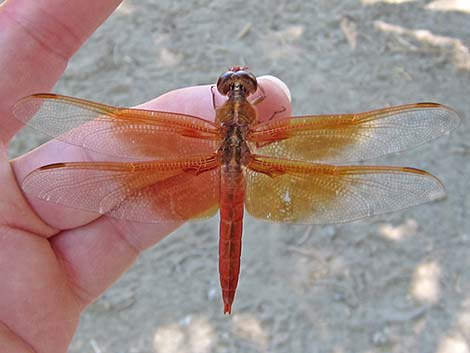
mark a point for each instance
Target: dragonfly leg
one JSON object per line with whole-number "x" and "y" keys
{"x": 282, "y": 110}
{"x": 213, "y": 97}
{"x": 261, "y": 98}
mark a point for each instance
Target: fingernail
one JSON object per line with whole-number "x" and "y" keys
{"x": 278, "y": 83}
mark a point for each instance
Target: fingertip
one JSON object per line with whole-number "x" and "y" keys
{"x": 278, "y": 83}
{"x": 200, "y": 101}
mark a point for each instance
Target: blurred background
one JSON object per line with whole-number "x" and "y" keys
{"x": 395, "y": 283}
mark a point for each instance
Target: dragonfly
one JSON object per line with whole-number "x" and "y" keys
{"x": 174, "y": 167}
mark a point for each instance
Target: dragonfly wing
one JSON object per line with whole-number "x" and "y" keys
{"x": 149, "y": 192}
{"x": 353, "y": 137}
{"x": 296, "y": 192}
{"x": 129, "y": 133}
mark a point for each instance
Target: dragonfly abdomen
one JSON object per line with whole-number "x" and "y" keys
{"x": 232, "y": 199}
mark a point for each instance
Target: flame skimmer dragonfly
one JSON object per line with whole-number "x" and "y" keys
{"x": 182, "y": 167}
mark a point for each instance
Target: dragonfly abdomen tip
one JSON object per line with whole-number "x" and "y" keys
{"x": 227, "y": 309}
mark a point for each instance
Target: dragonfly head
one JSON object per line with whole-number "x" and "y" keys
{"x": 237, "y": 78}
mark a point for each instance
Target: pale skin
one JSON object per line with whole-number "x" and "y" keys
{"x": 54, "y": 261}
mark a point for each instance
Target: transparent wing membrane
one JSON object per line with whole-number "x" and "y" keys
{"x": 120, "y": 132}
{"x": 296, "y": 192}
{"x": 150, "y": 192}
{"x": 353, "y": 137}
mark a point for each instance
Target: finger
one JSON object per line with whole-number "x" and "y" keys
{"x": 196, "y": 101}
{"x": 36, "y": 41}
{"x": 97, "y": 253}
{"x": 277, "y": 99}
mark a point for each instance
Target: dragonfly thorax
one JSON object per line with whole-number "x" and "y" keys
{"x": 234, "y": 149}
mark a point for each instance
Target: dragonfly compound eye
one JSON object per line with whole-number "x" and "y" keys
{"x": 248, "y": 80}
{"x": 224, "y": 82}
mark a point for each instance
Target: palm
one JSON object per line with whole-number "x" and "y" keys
{"x": 33, "y": 276}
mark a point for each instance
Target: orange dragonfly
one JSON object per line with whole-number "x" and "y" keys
{"x": 183, "y": 167}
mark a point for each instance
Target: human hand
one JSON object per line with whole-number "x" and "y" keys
{"x": 54, "y": 261}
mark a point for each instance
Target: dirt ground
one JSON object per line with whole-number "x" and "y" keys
{"x": 395, "y": 283}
